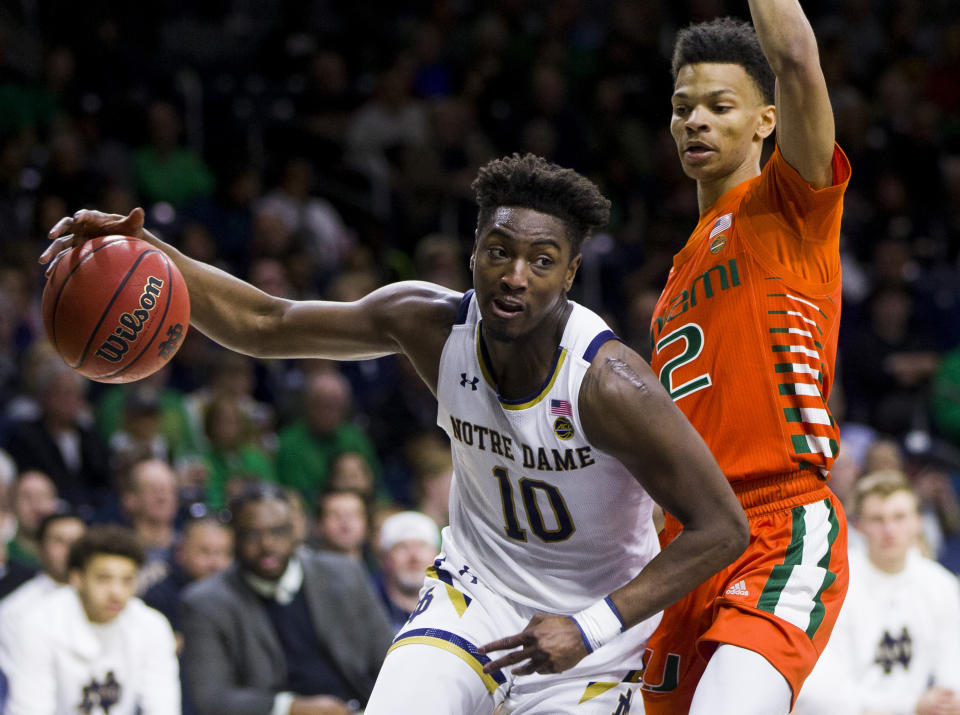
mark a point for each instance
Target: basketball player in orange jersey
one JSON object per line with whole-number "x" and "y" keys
{"x": 744, "y": 338}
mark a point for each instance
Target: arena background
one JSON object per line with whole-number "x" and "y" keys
{"x": 320, "y": 149}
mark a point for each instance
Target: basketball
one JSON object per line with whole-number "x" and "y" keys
{"x": 116, "y": 309}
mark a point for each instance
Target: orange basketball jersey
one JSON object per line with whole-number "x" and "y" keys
{"x": 752, "y": 306}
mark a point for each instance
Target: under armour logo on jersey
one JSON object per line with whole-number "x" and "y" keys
{"x": 100, "y": 697}
{"x": 464, "y": 381}
{"x": 464, "y": 570}
{"x": 891, "y": 651}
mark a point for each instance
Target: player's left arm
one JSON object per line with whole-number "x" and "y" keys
{"x": 805, "y": 127}
{"x": 626, "y": 412}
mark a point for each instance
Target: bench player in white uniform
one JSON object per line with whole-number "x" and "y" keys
{"x": 559, "y": 432}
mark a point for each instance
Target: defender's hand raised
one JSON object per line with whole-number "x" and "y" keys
{"x": 73, "y": 230}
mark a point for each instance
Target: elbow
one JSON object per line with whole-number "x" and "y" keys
{"x": 737, "y": 535}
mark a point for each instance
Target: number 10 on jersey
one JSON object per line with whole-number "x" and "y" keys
{"x": 529, "y": 489}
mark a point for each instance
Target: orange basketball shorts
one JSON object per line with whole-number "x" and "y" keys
{"x": 780, "y": 599}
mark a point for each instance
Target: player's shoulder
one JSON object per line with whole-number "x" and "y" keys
{"x": 411, "y": 308}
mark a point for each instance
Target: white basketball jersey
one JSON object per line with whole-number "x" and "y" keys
{"x": 541, "y": 515}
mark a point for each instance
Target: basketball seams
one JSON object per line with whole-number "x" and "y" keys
{"x": 63, "y": 285}
{"x": 166, "y": 309}
{"x": 106, "y": 310}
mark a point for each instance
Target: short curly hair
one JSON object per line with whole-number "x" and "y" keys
{"x": 532, "y": 182}
{"x": 108, "y": 540}
{"x": 725, "y": 40}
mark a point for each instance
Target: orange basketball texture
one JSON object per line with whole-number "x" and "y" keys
{"x": 116, "y": 309}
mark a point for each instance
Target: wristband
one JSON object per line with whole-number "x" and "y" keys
{"x": 599, "y": 624}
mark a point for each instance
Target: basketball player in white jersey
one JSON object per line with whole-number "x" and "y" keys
{"x": 561, "y": 435}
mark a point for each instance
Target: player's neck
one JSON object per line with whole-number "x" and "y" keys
{"x": 520, "y": 367}
{"x": 709, "y": 191}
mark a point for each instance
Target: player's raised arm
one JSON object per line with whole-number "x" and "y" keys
{"x": 395, "y": 318}
{"x": 805, "y": 128}
{"x": 627, "y": 413}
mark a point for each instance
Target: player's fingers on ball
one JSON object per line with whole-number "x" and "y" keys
{"x": 60, "y": 227}
{"x": 55, "y": 261}
{"x": 55, "y": 249}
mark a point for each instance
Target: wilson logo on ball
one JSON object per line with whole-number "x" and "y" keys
{"x": 117, "y": 344}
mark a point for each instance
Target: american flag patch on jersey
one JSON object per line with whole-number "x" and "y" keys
{"x": 722, "y": 224}
{"x": 561, "y": 407}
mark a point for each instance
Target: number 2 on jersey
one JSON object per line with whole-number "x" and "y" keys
{"x": 528, "y": 492}
{"x": 692, "y": 336}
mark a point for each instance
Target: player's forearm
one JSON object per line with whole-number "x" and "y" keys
{"x": 230, "y": 311}
{"x": 691, "y": 558}
{"x": 785, "y": 34}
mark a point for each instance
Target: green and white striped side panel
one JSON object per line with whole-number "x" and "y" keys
{"x": 795, "y": 586}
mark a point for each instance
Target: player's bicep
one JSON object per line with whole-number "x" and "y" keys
{"x": 626, "y": 412}
{"x": 805, "y": 127}
{"x": 381, "y": 323}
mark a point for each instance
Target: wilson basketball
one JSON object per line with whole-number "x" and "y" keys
{"x": 116, "y": 309}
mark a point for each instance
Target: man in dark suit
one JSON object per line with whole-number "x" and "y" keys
{"x": 60, "y": 443}
{"x": 281, "y": 631}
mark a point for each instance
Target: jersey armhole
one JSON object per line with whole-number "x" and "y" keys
{"x": 598, "y": 341}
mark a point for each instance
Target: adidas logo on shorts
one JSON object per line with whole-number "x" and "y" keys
{"x": 738, "y": 589}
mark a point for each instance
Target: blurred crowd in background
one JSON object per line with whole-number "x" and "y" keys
{"x": 321, "y": 149}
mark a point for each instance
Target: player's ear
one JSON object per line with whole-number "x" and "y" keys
{"x": 768, "y": 121}
{"x": 572, "y": 269}
{"x": 473, "y": 261}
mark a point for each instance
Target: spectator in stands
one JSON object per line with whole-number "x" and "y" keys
{"x": 351, "y": 470}
{"x": 232, "y": 451}
{"x": 895, "y": 648}
{"x": 150, "y": 504}
{"x": 408, "y": 543}
{"x": 12, "y": 573}
{"x": 205, "y": 548}
{"x": 61, "y": 443}
{"x": 93, "y": 647}
{"x": 342, "y": 524}
{"x": 34, "y": 498}
{"x": 308, "y": 445}
{"x": 57, "y": 533}
{"x": 281, "y": 631}
{"x": 164, "y": 170}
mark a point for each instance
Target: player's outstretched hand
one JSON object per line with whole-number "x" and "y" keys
{"x": 549, "y": 644}
{"x": 73, "y": 230}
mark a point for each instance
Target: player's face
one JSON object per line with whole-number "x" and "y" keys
{"x": 105, "y": 586}
{"x": 891, "y": 525}
{"x": 57, "y": 540}
{"x": 522, "y": 270}
{"x": 265, "y": 538}
{"x": 719, "y": 119}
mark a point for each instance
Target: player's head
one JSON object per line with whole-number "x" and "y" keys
{"x": 533, "y": 218}
{"x": 723, "y": 97}
{"x": 888, "y": 515}
{"x": 57, "y": 533}
{"x": 263, "y": 528}
{"x": 103, "y": 565}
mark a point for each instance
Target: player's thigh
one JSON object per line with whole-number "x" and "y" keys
{"x": 420, "y": 679}
{"x": 738, "y": 681}
{"x": 577, "y": 697}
